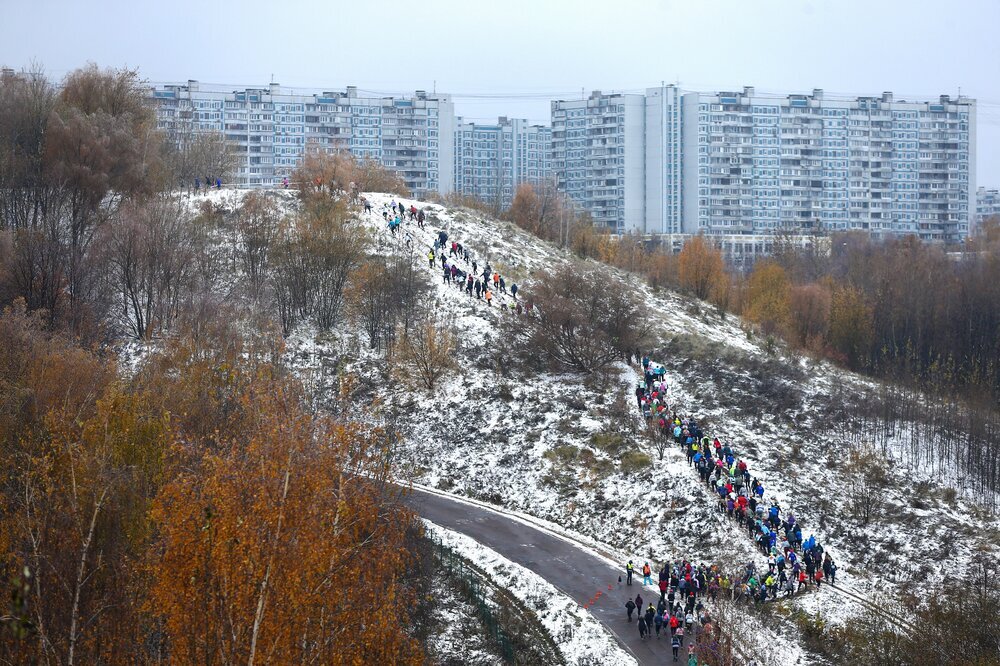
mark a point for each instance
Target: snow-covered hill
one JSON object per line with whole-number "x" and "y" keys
{"x": 568, "y": 448}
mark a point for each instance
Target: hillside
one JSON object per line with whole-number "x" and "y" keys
{"x": 568, "y": 449}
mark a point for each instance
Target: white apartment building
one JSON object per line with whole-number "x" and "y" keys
{"x": 802, "y": 163}
{"x": 413, "y": 136}
{"x": 492, "y": 160}
{"x": 599, "y": 157}
{"x": 987, "y": 204}
{"x": 743, "y": 163}
{"x": 664, "y": 161}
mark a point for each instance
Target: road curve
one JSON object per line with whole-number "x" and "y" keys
{"x": 574, "y": 571}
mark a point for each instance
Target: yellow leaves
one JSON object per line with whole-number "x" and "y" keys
{"x": 276, "y": 498}
{"x": 768, "y": 298}
{"x": 210, "y": 484}
{"x": 700, "y": 268}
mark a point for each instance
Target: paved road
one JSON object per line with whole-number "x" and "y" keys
{"x": 574, "y": 571}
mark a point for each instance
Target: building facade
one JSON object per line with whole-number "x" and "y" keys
{"x": 492, "y": 160}
{"x": 664, "y": 161}
{"x": 270, "y": 129}
{"x": 743, "y": 163}
{"x": 987, "y": 204}
{"x": 598, "y": 157}
{"x": 804, "y": 163}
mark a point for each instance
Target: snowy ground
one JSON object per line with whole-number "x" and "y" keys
{"x": 540, "y": 444}
{"x": 578, "y": 635}
{"x": 551, "y": 446}
{"x": 457, "y": 636}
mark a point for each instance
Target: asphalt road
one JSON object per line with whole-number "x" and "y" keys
{"x": 574, "y": 571}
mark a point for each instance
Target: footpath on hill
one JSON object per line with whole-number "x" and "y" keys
{"x": 583, "y": 576}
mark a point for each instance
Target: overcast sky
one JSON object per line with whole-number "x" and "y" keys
{"x": 521, "y": 54}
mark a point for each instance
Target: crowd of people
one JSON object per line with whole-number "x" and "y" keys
{"x": 457, "y": 266}
{"x": 678, "y": 614}
{"x": 791, "y": 562}
{"x": 208, "y": 183}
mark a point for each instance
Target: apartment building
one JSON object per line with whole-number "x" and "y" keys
{"x": 492, "y": 160}
{"x": 664, "y": 161}
{"x": 806, "y": 163}
{"x": 271, "y": 129}
{"x": 987, "y": 204}
{"x": 598, "y": 157}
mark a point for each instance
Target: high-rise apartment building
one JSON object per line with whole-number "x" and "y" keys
{"x": 271, "y": 129}
{"x": 743, "y": 163}
{"x": 492, "y": 160}
{"x": 805, "y": 163}
{"x": 599, "y": 157}
{"x": 987, "y": 204}
{"x": 664, "y": 161}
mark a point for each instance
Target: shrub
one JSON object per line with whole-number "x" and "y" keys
{"x": 585, "y": 320}
{"x": 609, "y": 442}
{"x": 634, "y": 461}
{"x": 564, "y": 453}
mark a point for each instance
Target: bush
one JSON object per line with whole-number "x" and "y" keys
{"x": 564, "y": 453}
{"x": 585, "y": 320}
{"x": 609, "y": 442}
{"x": 634, "y": 461}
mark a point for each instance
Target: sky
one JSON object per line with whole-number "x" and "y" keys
{"x": 511, "y": 57}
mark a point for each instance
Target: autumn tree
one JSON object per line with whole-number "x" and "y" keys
{"x": 809, "y": 309}
{"x": 324, "y": 172}
{"x": 700, "y": 267}
{"x": 768, "y": 297}
{"x": 84, "y": 455}
{"x": 539, "y": 210}
{"x": 373, "y": 176}
{"x": 334, "y": 173}
{"x": 270, "y": 538}
{"x": 851, "y": 326}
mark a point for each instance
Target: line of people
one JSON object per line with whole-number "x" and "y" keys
{"x": 740, "y": 496}
{"x": 791, "y": 562}
{"x": 679, "y": 613}
{"x": 451, "y": 254}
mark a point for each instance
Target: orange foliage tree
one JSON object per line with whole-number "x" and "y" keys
{"x": 700, "y": 268}
{"x": 810, "y": 315}
{"x": 768, "y": 298}
{"x": 83, "y": 457}
{"x": 851, "y": 326}
{"x": 283, "y": 539}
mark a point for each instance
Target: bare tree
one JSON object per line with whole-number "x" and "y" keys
{"x": 584, "y": 319}
{"x": 151, "y": 257}
{"x": 429, "y": 350}
{"x": 256, "y": 229}
{"x": 372, "y": 301}
{"x": 191, "y": 154}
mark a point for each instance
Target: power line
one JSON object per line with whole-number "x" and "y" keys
{"x": 556, "y": 93}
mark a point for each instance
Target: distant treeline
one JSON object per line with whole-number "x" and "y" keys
{"x": 899, "y": 309}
